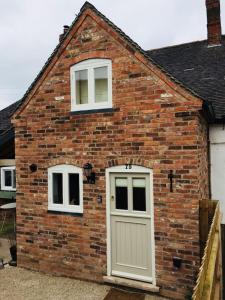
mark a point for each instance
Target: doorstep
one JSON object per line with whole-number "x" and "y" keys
{"x": 140, "y": 285}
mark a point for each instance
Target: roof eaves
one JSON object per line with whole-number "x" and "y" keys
{"x": 7, "y": 136}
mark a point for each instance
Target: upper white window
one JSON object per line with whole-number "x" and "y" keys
{"x": 65, "y": 189}
{"x": 91, "y": 84}
{"x": 8, "y": 178}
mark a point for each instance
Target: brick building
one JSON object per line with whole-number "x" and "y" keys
{"x": 112, "y": 159}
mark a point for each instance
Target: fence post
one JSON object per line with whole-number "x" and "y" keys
{"x": 203, "y": 223}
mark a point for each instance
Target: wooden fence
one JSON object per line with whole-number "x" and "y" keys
{"x": 208, "y": 284}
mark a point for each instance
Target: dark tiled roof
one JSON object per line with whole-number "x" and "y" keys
{"x": 199, "y": 68}
{"x": 5, "y": 117}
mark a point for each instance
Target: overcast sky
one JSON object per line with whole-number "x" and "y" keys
{"x": 29, "y": 31}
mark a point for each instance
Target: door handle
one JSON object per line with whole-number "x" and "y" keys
{"x": 112, "y": 198}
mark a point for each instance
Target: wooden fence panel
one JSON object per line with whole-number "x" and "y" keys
{"x": 208, "y": 284}
{"x": 223, "y": 255}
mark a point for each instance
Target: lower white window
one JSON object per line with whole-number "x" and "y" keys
{"x": 8, "y": 178}
{"x": 65, "y": 189}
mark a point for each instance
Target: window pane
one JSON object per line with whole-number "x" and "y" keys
{"x": 139, "y": 194}
{"x": 81, "y": 87}
{"x": 121, "y": 194}
{"x": 14, "y": 179}
{"x": 101, "y": 84}
{"x": 8, "y": 178}
{"x": 74, "y": 190}
{"x": 58, "y": 188}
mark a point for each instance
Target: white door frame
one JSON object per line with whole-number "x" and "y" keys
{"x": 128, "y": 169}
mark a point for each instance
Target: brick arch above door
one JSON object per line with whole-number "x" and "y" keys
{"x": 130, "y": 161}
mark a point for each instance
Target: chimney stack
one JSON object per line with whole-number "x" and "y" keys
{"x": 213, "y": 22}
{"x": 65, "y": 29}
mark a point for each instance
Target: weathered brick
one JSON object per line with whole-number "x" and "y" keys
{"x": 146, "y": 128}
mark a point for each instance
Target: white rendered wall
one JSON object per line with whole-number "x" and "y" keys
{"x": 217, "y": 148}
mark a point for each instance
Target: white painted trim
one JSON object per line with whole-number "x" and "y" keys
{"x": 134, "y": 169}
{"x": 108, "y": 225}
{"x": 143, "y": 216}
{"x": 152, "y": 228}
{"x": 65, "y": 170}
{"x": 89, "y": 65}
{"x": 3, "y": 186}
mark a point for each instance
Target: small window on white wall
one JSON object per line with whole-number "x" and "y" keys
{"x": 8, "y": 178}
{"x": 65, "y": 189}
{"x": 91, "y": 84}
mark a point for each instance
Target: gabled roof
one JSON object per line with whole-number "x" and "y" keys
{"x": 194, "y": 66}
{"x": 5, "y": 117}
{"x": 133, "y": 44}
{"x": 198, "y": 67}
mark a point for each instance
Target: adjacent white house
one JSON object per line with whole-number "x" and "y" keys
{"x": 217, "y": 153}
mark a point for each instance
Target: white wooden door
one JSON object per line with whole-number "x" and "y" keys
{"x": 130, "y": 217}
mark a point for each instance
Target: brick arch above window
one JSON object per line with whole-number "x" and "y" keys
{"x": 89, "y": 55}
{"x": 64, "y": 160}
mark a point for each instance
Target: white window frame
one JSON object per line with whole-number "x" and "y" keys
{"x": 65, "y": 206}
{"x": 3, "y": 186}
{"x": 90, "y": 65}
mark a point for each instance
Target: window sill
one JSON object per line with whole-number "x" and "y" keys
{"x": 94, "y": 111}
{"x": 8, "y": 189}
{"x": 56, "y": 212}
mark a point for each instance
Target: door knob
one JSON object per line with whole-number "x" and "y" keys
{"x": 112, "y": 198}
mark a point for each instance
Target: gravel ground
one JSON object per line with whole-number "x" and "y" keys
{"x": 20, "y": 284}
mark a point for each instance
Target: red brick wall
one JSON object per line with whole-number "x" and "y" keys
{"x": 152, "y": 125}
